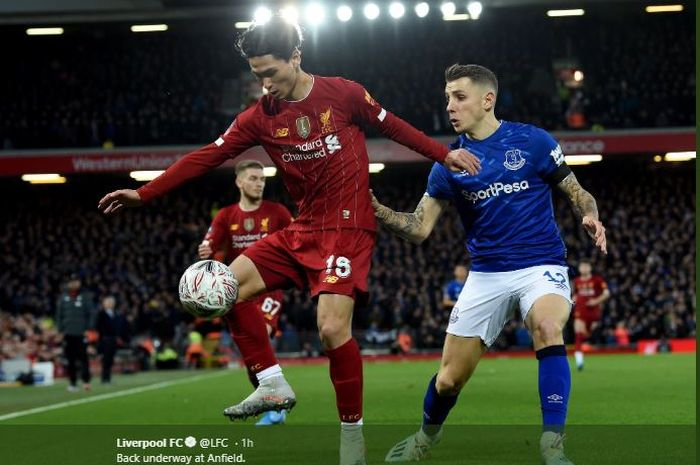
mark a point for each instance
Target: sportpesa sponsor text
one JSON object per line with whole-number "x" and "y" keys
{"x": 495, "y": 189}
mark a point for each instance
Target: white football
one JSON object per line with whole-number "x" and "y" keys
{"x": 208, "y": 289}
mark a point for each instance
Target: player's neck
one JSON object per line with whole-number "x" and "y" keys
{"x": 302, "y": 87}
{"x": 249, "y": 205}
{"x": 484, "y": 129}
{"x": 586, "y": 277}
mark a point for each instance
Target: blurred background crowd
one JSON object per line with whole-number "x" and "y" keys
{"x": 138, "y": 256}
{"x": 102, "y": 86}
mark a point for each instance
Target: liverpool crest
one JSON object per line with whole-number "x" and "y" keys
{"x": 303, "y": 126}
{"x": 325, "y": 120}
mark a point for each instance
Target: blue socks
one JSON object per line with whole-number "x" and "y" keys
{"x": 555, "y": 385}
{"x": 435, "y": 409}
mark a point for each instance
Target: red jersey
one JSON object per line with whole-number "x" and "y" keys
{"x": 318, "y": 147}
{"x": 234, "y": 230}
{"x": 587, "y": 289}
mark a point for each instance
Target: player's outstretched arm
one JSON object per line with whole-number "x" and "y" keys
{"x": 585, "y": 207}
{"x": 414, "y": 227}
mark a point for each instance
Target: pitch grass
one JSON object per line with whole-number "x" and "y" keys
{"x": 612, "y": 390}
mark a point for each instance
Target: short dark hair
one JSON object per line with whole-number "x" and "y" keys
{"x": 277, "y": 37}
{"x": 246, "y": 164}
{"x": 476, "y": 73}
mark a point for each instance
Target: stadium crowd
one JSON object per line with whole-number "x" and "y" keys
{"x": 95, "y": 88}
{"x": 138, "y": 256}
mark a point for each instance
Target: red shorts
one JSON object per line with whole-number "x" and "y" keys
{"x": 331, "y": 262}
{"x": 587, "y": 316}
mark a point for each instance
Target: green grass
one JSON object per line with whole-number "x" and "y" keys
{"x": 612, "y": 390}
{"x": 494, "y": 423}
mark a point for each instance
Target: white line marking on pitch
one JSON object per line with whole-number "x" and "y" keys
{"x": 109, "y": 395}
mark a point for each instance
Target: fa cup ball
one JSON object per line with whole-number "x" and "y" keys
{"x": 208, "y": 289}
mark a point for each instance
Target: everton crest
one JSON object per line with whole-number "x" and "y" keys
{"x": 514, "y": 160}
{"x": 303, "y": 126}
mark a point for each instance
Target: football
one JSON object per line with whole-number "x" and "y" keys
{"x": 208, "y": 289}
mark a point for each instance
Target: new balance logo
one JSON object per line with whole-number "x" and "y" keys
{"x": 495, "y": 189}
{"x": 555, "y": 399}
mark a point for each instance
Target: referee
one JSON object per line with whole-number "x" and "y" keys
{"x": 74, "y": 316}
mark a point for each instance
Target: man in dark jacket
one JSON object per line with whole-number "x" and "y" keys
{"x": 74, "y": 316}
{"x": 111, "y": 327}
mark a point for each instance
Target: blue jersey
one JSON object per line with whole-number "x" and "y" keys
{"x": 453, "y": 289}
{"x": 506, "y": 209}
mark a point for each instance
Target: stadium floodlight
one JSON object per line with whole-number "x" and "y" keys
{"x": 422, "y": 10}
{"x": 269, "y": 171}
{"x": 243, "y": 24}
{"x": 46, "y": 178}
{"x": 560, "y": 13}
{"x": 663, "y": 8}
{"x": 448, "y": 9}
{"x": 582, "y": 159}
{"x": 290, "y": 13}
{"x": 578, "y": 75}
{"x": 262, "y": 15}
{"x": 145, "y": 175}
{"x": 475, "y": 9}
{"x": 396, "y": 10}
{"x": 344, "y": 13}
{"x": 456, "y": 17}
{"x": 371, "y": 11}
{"x": 679, "y": 156}
{"x": 315, "y": 13}
{"x": 376, "y": 167}
{"x": 149, "y": 27}
{"x": 44, "y": 31}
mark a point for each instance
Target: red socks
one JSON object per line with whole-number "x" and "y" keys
{"x": 247, "y": 326}
{"x": 346, "y": 375}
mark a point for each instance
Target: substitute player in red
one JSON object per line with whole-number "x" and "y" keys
{"x": 589, "y": 292}
{"x": 237, "y": 227}
{"x": 310, "y": 126}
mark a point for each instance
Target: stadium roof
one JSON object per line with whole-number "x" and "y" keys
{"x": 75, "y": 11}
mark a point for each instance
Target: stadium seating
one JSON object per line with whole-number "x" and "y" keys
{"x": 102, "y": 85}
{"x": 138, "y": 256}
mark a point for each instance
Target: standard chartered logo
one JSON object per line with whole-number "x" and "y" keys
{"x": 495, "y": 189}
{"x": 312, "y": 150}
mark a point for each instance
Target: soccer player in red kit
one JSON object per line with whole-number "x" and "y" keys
{"x": 237, "y": 227}
{"x": 310, "y": 127}
{"x": 590, "y": 291}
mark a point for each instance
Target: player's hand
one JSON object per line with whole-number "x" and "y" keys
{"x": 461, "y": 160}
{"x": 591, "y": 303}
{"x": 596, "y": 230}
{"x": 115, "y": 201}
{"x": 204, "y": 250}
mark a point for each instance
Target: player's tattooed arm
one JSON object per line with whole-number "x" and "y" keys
{"x": 586, "y": 209}
{"x": 414, "y": 227}
{"x": 581, "y": 200}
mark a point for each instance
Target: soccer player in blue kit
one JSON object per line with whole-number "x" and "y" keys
{"x": 518, "y": 256}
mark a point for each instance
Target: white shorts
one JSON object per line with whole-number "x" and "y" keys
{"x": 489, "y": 300}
